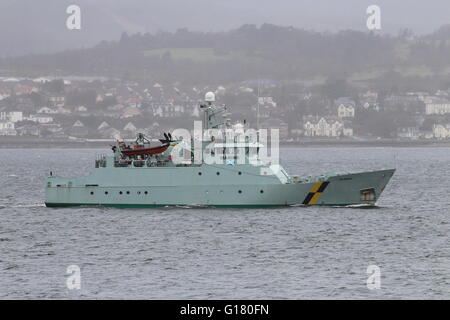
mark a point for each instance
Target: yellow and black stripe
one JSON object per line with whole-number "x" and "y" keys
{"x": 316, "y": 191}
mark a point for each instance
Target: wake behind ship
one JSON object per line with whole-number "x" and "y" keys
{"x": 143, "y": 175}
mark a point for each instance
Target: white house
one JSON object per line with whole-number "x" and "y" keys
{"x": 78, "y": 123}
{"x": 347, "y": 132}
{"x": 267, "y": 101}
{"x": 13, "y": 116}
{"x": 158, "y": 111}
{"x": 345, "y": 107}
{"x": 3, "y": 96}
{"x": 130, "y": 127}
{"x": 41, "y": 80}
{"x": 104, "y": 125}
{"x": 408, "y": 132}
{"x": 346, "y": 111}
{"x": 62, "y": 110}
{"x": 434, "y": 105}
{"x": 78, "y": 129}
{"x": 47, "y": 110}
{"x": 111, "y": 133}
{"x": 40, "y": 118}
{"x": 131, "y": 112}
{"x": 441, "y": 131}
{"x": 81, "y": 109}
{"x": 371, "y": 105}
{"x": 325, "y": 127}
{"x": 7, "y": 128}
{"x": 57, "y": 101}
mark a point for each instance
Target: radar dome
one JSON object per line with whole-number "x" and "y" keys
{"x": 210, "y": 97}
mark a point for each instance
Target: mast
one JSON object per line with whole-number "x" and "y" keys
{"x": 257, "y": 105}
{"x": 257, "y": 116}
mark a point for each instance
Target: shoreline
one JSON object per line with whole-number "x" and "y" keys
{"x": 17, "y": 143}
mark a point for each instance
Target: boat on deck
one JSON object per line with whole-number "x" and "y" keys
{"x": 142, "y": 147}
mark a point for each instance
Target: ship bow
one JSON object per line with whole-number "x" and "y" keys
{"x": 363, "y": 188}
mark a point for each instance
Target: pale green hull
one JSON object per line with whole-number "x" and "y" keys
{"x": 217, "y": 186}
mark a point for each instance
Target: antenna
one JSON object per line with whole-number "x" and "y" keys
{"x": 257, "y": 106}
{"x": 257, "y": 116}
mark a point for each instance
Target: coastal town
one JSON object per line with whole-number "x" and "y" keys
{"x": 83, "y": 108}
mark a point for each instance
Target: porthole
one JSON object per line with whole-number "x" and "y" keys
{"x": 199, "y": 173}
{"x": 120, "y": 192}
{"x": 261, "y": 191}
{"x": 218, "y": 173}
{"x": 240, "y": 191}
{"x": 128, "y": 192}
{"x": 240, "y": 173}
{"x": 138, "y": 192}
{"x": 106, "y": 192}
{"x": 146, "y": 192}
{"x": 92, "y": 192}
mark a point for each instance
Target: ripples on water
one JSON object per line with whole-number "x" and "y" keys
{"x": 204, "y": 253}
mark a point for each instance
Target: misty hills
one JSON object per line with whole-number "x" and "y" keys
{"x": 32, "y": 27}
{"x": 250, "y": 52}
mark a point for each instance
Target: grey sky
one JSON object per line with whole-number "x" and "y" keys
{"x": 29, "y": 26}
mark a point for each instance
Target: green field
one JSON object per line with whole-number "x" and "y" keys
{"x": 198, "y": 54}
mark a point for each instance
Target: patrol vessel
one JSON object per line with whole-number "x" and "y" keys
{"x": 180, "y": 172}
